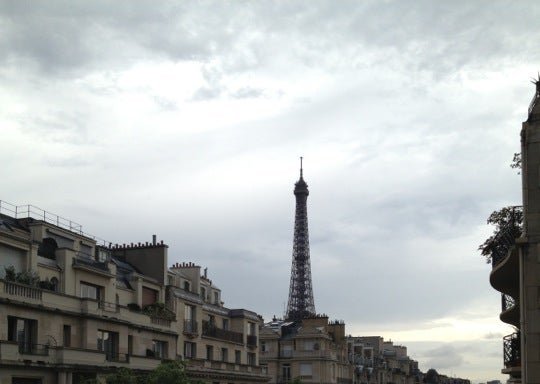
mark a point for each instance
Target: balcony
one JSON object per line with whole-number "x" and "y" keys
{"x": 306, "y": 354}
{"x": 191, "y": 328}
{"x": 510, "y": 310}
{"x": 252, "y": 341}
{"x": 210, "y": 330}
{"x": 33, "y": 349}
{"x": 32, "y": 296}
{"x": 89, "y": 264}
{"x": 196, "y": 365}
{"x": 23, "y": 291}
{"x": 504, "y": 276}
{"x": 11, "y": 351}
{"x": 505, "y": 237}
{"x": 512, "y": 354}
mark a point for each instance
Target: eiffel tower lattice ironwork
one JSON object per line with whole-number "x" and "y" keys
{"x": 301, "y": 303}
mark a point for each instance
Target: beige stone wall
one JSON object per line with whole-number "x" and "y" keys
{"x": 530, "y": 253}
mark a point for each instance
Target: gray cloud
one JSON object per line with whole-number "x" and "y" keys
{"x": 407, "y": 115}
{"x": 444, "y": 357}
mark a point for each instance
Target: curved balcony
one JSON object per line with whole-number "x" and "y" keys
{"x": 504, "y": 276}
{"x": 512, "y": 355}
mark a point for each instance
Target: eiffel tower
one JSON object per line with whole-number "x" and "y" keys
{"x": 301, "y": 304}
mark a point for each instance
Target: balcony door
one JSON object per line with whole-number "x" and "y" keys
{"x": 24, "y": 332}
{"x": 286, "y": 372}
{"x": 108, "y": 342}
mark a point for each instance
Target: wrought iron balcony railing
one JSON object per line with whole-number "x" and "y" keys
{"x": 211, "y": 330}
{"x": 506, "y": 237}
{"x": 33, "y": 349}
{"x": 190, "y": 326}
{"x": 508, "y": 302}
{"x": 512, "y": 350}
{"x": 251, "y": 340}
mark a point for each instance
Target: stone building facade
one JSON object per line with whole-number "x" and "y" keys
{"x": 313, "y": 350}
{"x": 516, "y": 273}
{"x": 72, "y": 308}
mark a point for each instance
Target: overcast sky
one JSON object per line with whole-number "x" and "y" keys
{"x": 186, "y": 119}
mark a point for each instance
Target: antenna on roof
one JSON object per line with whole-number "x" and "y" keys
{"x": 301, "y": 170}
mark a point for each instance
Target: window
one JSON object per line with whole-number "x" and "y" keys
{"x": 211, "y": 321}
{"x": 149, "y": 296}
{"x": 102, "y": 255}
{"x": 159, "y": 348}
{"x": 203, "y": 294}
{"x": 48, "y": 248}
{"x": 86, "y": 251}
{"x": 306, "y": 369}
{"x": 287, "y": 351}
{"x": 90, "y": 291}
{"x": 186, "y": 286}
{"x": 108, "y": 342}
{"x": 251, "y": 358}
{"x": 251, "y": 329}
{"x": 130, "y": 344}
{"x": 54, "y": 284}
{"x": 226, "y": 324}
{"x": 67, "y": 335}
{"x": 209, "y": 352}
{"x": 23, "y": 331}
{"x": 189, "y": 313}
{"x": 224, "y": 354}
{"x": 189, "y": 350}
{"x": 216, "y": 298}
{"x": 309, "y": 345}
{"x": 264, "y": 347}
{"x": 237, "y": 357}
{"x": 286, "y": 372}
{"x": 190, "y": 324}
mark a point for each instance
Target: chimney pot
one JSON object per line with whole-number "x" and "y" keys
{"x": 154, "y": 239}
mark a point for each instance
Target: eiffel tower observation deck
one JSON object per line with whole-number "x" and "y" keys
{"x": 301, "y": 303}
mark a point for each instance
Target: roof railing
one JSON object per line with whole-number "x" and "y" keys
{"x": 33, "y": 212}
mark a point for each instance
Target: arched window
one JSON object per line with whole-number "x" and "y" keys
{"x": 48, "y": 248}
{"x": 54, "y": 284}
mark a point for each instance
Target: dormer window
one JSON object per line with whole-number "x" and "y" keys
{"x": 102, "y": 255}
{"x": 48, "y": 248}
{"x": 203, "y": 294}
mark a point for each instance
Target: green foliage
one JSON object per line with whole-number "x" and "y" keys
{"x": 159, "y": 310}
{"x": 508, "y": 222}
{"x": 10, "y": 273}
{"x": 88, "y": 380}
{"x": 122, "y": 376}
{"x": 516, "y": 162}
{"x": 28, "y": 278}
{"x": 134, "y": 307}
{"x": 46, "y": 284}
{"x": 170, "y": 372}
{"x": 296, "y": 380}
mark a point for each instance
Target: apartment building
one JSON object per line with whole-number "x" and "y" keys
{"x": 516, "y": 262}
{"x": 312, "y": 349}
{"x": 220, "y": 344}
{"x": 73, "y": 307}
{"x": 378, "y": 361}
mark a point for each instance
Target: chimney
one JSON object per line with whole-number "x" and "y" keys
{"x": 154, "y": 237}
